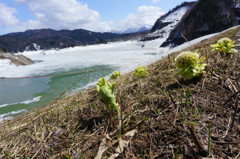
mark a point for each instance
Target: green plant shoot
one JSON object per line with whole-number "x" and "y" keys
{"x": 189, "y": 65}
{"x": 115, "y": 75}
{"x": 105, "y": 90}
{"x": 224, "y": 46}
{"x": 140, "y": 71}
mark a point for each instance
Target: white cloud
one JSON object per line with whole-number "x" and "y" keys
{"x": 30, "y": 24}
{"x": 156, "y": 1}
{"x": 7, "y": 17}
{"x": 146, "y": 16}
{"x": 64, "y": 14}
{"x": 72, "y": 14}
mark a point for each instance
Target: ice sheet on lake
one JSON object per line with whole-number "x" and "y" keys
{"x": 125, "y": 55}
{"x": 7, "y": 116}
{"x": 36, "y": 99}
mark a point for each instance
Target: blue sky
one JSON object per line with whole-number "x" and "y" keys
{"x": 95, "y": 15}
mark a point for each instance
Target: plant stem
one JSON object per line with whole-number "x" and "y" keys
{"x": 57, "y": 117}
{"x": 139, "y": 81}
{"x": 209, "y": 137}
{"x": 120, "y": 122}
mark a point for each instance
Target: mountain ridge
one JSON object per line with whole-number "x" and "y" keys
{"x": 46, "y": 39}
{"x": 49, "y": 38}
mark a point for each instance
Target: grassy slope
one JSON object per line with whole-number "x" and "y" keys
{"x": 158, "y": 107}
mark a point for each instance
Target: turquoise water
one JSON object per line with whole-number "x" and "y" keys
{"x": 20, "y": 95}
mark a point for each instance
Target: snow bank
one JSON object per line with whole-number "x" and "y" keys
{"x": 6, "y": 64}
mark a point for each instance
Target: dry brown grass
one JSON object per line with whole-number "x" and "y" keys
{"x": 161, "y": 110}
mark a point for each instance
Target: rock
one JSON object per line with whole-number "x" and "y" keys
{"x": 16, "y": 59}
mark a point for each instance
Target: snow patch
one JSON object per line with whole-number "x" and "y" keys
{"x": 36, "y": 46}
{"x": 173, "y": 19}
{"x": 6, "y": 64}
{"x": 169, "y": 23}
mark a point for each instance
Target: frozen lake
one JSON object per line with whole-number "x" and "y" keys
{"x": 21, "y": 95}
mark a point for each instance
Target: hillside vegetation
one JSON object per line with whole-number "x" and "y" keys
{"x": 162, "y": 116}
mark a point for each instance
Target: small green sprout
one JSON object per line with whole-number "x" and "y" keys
{"x": 115, "y": 75}
{"x": 140, "y": 71}
{"x": 182, "y": 119}
{"x": 196, "y": 116}
{"x": 159, "y": 112}
{"x": 200, "y": 109}
{"x": 189, "y": 65}
{"x": 224, "y": 46}
{"x": 192, "y": 122}
{"x": 93, "y": 106}
{"x": 105, "y": 89}
{"x": 192, "y": 111}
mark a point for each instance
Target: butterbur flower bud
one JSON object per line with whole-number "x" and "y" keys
{"x": 140, "y": 71}
{"x": 186, "y": 59}
{"x": 189, "y": 65}
{"x": 224, "y": 40}
{"x": 115, "y": 75}
{"x": 224, "y": 46}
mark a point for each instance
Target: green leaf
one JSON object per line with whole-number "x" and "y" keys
{"x": 66, "y": 156}
{"x": 105, "y": 91}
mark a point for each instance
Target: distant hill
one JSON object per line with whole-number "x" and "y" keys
{"x": 205, "y": 17}
{"x": 49, "y": 38}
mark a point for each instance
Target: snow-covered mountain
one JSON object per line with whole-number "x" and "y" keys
{"x": 203, "y": 18}
{"x": 166, "y": 23}
{"x": 134, "y": 30}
